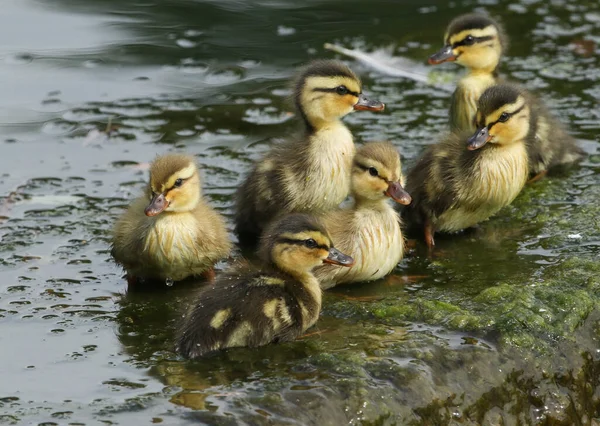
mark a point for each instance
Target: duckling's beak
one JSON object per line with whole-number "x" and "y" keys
{"x": 336, "y": 257}
{"x": 480, "y": 138}
{"x": 365, "y": 104}
{"x": 398, "y": 194}
{"x": 158, "y": 204}
{"x": 445, "y": 54}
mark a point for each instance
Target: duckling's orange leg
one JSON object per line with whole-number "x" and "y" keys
{"x": 537, "y": 177}
{"x": 429, "y": 231}
{"x": 209, "y": 274}
{"x": 313, "y": 333}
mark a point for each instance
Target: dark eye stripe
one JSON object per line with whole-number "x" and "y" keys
{"x": 366, "y": 168}
{"x": 510, "y": 114}
{"x": 182, "y": 182}
{"x": 463, "y": 42}
{"x": 300, "y": 243}
{"x": 334, "y": 90}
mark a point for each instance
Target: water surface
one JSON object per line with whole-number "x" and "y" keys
{"x": 500, "y": 327}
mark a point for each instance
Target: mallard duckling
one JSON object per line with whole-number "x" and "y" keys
{"x": 369, "y": 230}
{"x": 464, "y": 180}
{"x": 247, "y": 307}
{"x": 548, "y": 144}
{"x": 170, "y": 232}
{"x": 311, "y": 172}
{"x": 476, "y": 42}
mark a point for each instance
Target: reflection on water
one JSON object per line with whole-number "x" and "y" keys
{"x": 499, "y": 327}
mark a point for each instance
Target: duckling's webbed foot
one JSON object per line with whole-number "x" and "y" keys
{"x": 537, "y": 177}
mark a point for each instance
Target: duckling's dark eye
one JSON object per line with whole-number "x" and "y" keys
{"x": 373, "y": 171}
{"x": 469, "y": 40}
{"x": 341, "y": 90}
{"x": 310, "y": 243}
{"x": 178, "y": 183}
{"x": 504, "y": 117}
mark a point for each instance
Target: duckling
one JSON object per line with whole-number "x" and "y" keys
{"x": 310, "y": 172}
{"x": 247, "y": 307}
{"x": 476, "y": 42}
{"x": 370, "y": 229}
{"x": 464, "y": 180}
{"x": 170, "y": 232}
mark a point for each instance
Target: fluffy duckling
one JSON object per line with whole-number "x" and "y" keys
{"x": 275, "y": 304}
{"x": 548, "y": 144}
{"x": 311, "y": 172}
{"x": 170, "y": 232}
{"x": 369, "y": 230}
{"x": 476, "y": 42}
{"x": 464, "y": 180}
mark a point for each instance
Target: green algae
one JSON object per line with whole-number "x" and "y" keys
{"x": 531, "y": 314}
{"x": 513, "y": 299}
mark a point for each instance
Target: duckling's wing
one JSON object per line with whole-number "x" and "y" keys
{"x": 417, "y": 185}
{"x": 267, "y": 191}
{"x": 239, "y": 310}
{"x": 207, "y": 323}
{"x": 432, "y": 182}
{"x": 259, "y": 198}
{"x": 212, "y": 238}
{"x": 549, "y": 144}
{"x": 129, "y": 235}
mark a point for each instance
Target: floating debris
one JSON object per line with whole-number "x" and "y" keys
{"x": 99, "y": 136}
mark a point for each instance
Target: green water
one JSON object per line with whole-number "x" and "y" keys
{"x": 501, "y": 326}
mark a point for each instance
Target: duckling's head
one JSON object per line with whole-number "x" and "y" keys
{"x": 174, "y": 184}
{"x": 503, "y": 117}
{"x": 297, "y": 243}
{"x": 474, "y": 41}
{"x": 377, "y": 174}
{"x": 327, "y": 90}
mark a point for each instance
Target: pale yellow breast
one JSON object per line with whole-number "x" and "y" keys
{"x": 172, "y": 244}
{"x": 329, "y": 166}
{"x": 472, "y": 87}
{"x": 372, "y": 237}
{"x": 498, "y": 179}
